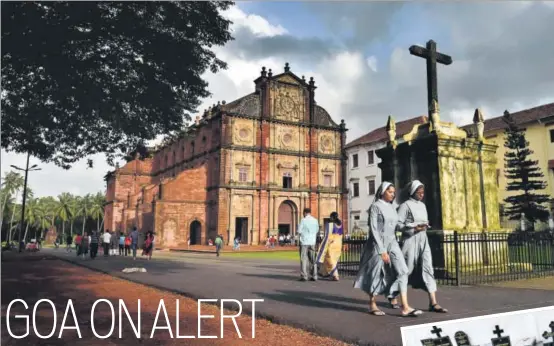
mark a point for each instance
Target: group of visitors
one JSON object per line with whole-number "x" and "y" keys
{"x": 384, "y": 266}
{"x": 113, "y": 243}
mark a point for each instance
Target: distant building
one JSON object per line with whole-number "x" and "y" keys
{"x": 538, "y": 123}
{"x": 364, "y": 174}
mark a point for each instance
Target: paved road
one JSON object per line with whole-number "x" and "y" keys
{"x": 330, "y": 308}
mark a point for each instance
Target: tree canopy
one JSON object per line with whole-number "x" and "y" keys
{"x": 81, "y": 78}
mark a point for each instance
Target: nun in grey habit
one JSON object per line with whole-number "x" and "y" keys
{"x": 382, "y": 261}
{"x": 413, "y": 223}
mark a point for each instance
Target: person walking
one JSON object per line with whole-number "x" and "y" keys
{"x": 218, "y": 244}
{"x": 68, "y": 241}
{"x": 134, "y": 242}
{"x": 106, "y": 241}
{"x": 127, "y": 243}
{"x": 413, "y": 223}
{"x": 94, "y": 244}
{"x": 84, "y": 246}
{"x": 331, "y": 248}
{"x": 308, "y": 230}
{"x": 381, "y": 256}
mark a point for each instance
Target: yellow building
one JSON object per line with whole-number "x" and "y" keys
{"x": 538, "y": 123}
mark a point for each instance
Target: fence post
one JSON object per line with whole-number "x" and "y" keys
{"x": 457, "y": 258}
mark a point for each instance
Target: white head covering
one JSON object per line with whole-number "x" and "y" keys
{"x": 414, "y": 186}
{"x": 381, "y": 190}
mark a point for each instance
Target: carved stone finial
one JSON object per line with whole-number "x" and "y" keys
{"x": 263, "y": 73}
{"x": 312, "y": 82}
{"x": 391, "y": 131}
{"x": 197, "y": 121}
{"x": 287, "y": 67}
{"x": 435, "y": 115}
{"x": 479, "y": 121}
{"x": 303, "y": 79}
{"x": 270, "y": 74}
{"x": 223, "y": 102}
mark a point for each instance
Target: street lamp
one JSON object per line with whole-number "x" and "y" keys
{"x": 27, "y": 170}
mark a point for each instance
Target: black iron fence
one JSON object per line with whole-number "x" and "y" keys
{"x": 474, "y": 258}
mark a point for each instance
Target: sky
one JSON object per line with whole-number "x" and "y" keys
{"x": 357, "y": 52}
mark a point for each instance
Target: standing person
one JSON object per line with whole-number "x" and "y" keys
{"x": 413, "y": 223}
{"x": 106, "y": 240}
{"x": 218, "y": 244}
{"x": 309, "y": 227}
{"x": 93, "y": 244}
{"x": 78, "y": 239}
{"x": 68, "y": 240}
{"x": 127, "y": 243}
{"x": 134, "y": 242}
{"x": 331, "y": 248}
{"x": 382, "y": 256}
{"x": 83, "y": 248}
{"x": 121, "y": 243}
{"x": 114, "y": 243}
{"x": 148, "y": 245}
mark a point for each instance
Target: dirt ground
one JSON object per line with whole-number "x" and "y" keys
{"x": 32, "y": 278}
{"x": 546, "y": 283}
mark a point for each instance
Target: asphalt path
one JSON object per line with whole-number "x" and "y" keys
{"x": 328, "y": 308}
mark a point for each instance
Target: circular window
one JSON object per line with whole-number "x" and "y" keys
{"x": 287, "y": 138}
{"x": 327, "y": 143}
{"x": 243, "y": 133}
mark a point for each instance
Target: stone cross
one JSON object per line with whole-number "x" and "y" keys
{"x": 433, "y": 57}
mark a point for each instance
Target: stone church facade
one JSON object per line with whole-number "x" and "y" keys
{"x": 245, "y": 168}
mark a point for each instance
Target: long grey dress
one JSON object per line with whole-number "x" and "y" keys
{"x": 415, "y": 247}
{"x": 374, "y": 276}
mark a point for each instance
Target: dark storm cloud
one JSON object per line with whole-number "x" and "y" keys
{"x": 250, "y": 46}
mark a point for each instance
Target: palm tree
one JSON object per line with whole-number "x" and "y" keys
{"x": 73, "y": 211}
{"x": 31, "y": 214}
{"x": 12, "y": 180}
{"x": 84, "y": 209}
{"x": 42, "y": 215}
{"x": 13, "y": 184}
{"x": 63, "y": 209}
{"x": 97, "y": 209}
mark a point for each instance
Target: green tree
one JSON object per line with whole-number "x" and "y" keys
{"x": 81, "y": 78}
{"x": 97, "y": 209}
{"x": 523, "y": 176}
{"x": 63, "y": 209}
{"x": 31, "y": 214}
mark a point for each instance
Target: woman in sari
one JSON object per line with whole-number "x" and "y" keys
{"x": 413, "y": 223}
{"x": 148, "y": 245}
{"x": 382, "y": 261}
{"x": 330, "y": 249}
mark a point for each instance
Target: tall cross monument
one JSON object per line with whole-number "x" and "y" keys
{"x": 433, "y": 57}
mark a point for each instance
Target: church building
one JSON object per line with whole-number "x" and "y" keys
{"x": 245, "y": 169}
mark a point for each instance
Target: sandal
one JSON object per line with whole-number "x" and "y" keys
{"x": 413, "y": 313}
{"x": 437, "y": 308}
{"x": 393, "y": 305}
{"x": 376, "y": 312}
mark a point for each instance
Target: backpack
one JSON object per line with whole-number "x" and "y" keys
{"x": 128, "y": 241}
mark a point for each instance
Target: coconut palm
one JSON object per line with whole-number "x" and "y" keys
{"x": 97, "y": 209}
{"x": 43, "y": 219}
{"x": 31, "y": 214}
{"x": 73, "y": 211}
{"x": 63, "y": 209}
{"x": 14, "y": 183}
{"x": 84, "y": 209}
{"x": 12, "y": 180}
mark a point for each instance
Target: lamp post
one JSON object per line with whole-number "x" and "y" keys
{"x": 27, "y": 170}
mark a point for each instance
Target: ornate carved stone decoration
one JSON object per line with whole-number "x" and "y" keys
{"x": 326, "y": 144}
{"x": 286, "y": 138}
{"x": 391, "y": 131}
{"x": 288, "y": 103}
{"x": 479, "y": 122}
{"x": 288, "y": 79}
{"x": 243, "y": 135}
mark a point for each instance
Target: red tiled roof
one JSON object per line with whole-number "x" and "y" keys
{"x": 380, "y": 134}
{"x": 523, "y": 117}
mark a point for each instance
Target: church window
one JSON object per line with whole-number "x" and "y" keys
{"x": 166, "y": 162}
{"x": 184, "y": 155}
{"x": 287, "y": 181}
{"x": 370, "y": 157}
{"x": 328, "y": 180}
{"x": 243, "y": 174}
{"x": 192, "y": 147}
{"x": 355, "y": 189}
{"x": 174, "y": 158}
{"x": 355, "y": 161}
{"x": 497, "y": 177}
{"x": 371, "y": 187}
{"x": 551, "y": 136}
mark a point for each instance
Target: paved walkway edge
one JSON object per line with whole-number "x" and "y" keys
{"x": 265, "y": 316}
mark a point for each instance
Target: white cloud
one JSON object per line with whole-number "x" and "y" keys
{"x": 372, "y": 63}
{"x": 256, "y": 24}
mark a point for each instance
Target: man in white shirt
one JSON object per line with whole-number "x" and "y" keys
{"x": 106, "y": 239}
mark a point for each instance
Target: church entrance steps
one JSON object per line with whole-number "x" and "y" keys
{"x": 229, "y": 249}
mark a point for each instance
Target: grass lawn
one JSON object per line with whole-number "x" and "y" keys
{"x": 274, "y": 255}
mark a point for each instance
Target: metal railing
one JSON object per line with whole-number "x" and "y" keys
{"x": 474, "y": 258}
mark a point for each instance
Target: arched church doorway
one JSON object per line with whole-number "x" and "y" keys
{"x": 195, "y": 232}
{"x": 287, "y": 219}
